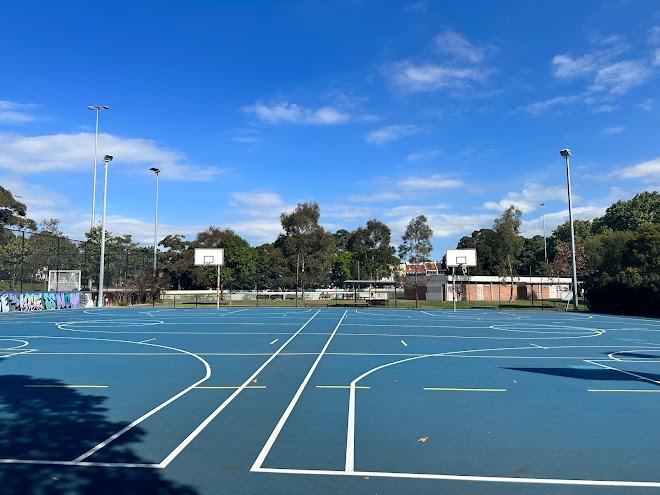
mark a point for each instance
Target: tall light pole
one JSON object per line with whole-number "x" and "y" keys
{"x": 107, "y": 159}
{"x": 566, "y": 153}
{"x": 156, "y": 171}
{"x": 545, "y": 244}
{"x": 96, "y": 143}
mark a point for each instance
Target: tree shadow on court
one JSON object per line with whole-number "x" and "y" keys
{"x": 590, "y": 374}
{"x": 42, "y": 420}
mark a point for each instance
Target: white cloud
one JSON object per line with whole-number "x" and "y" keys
{"x": 654, "y": 35}
{"x": 257, "y": 201}
{"x": 390, "y": 133}
{"x": 565, "y": 67}
{"x": 529, "y": 198}
{"x": 620, "y": 77}
{"x": 16, "y": 113}
{"x": 430, "y": 182}
{"x": 608, "y": 131}
{"x": 64, "y": 152}
{"x": 656, "y": 57}
{"x": 549, "y": 105}
{"x": 412, "y": 78}
{"x": 649, "y": 170}
{"x": 374, "y": 198}
{"x": 292, "y": 113}
{"x": 458, "y": 45}
{"x": 424, "y": 155}
{"x": 647, "y": 105}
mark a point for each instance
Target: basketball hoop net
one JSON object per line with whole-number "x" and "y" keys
{"x": 463, "y": 268}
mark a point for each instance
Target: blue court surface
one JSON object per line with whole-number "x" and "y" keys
{"x": 328, "y": 401}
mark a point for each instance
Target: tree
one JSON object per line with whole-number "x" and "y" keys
{"x": 371, "y": 247}
{"x": 306, "y": 246}
{"x": 508, "y": 244}
{"x": 13, "y": 213}
{"x": 416, "y": 244}
{"x": 631, "y": 214}
{"x": 483, "y": 241}
{"x": 177, "y": 260}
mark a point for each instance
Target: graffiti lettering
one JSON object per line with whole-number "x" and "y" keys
{"x": 40, "y": 301}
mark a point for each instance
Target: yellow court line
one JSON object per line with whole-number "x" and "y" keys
{"x": 450, "y": 389}
{"x": 274, "y": 341}
{"x": 229, "y": 386}
{"x": 630, "y": 390}
{"x": 66, "y": 386}
{"x": 404, "y": 343}
{"x": 340, "y": 386}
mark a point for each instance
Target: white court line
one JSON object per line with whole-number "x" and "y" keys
{"x": 623, "y": 371}
{"x": 206, "y": 422}
{"x": 280, "y": 424}
{"x": 113, "y": 437}
{"x": 18, "y": 353}
{"x": 453, "y": 477}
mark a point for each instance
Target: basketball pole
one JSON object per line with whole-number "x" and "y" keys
{"x": 453, "y": 282}
{"x": 217, "y": 291}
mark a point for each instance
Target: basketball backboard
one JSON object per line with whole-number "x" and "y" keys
{"x": 461, "y": 257}
{"x": 209, "y": 257}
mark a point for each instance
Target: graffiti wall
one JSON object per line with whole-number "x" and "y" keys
{"x": 42, "y": 301}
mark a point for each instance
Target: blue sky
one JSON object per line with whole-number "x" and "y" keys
{"x": 374, "y": 109}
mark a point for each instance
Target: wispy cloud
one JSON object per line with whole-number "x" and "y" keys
{"x": 647, "y": 104}
{"x": 391, "y": 133}
{"x": 412, "y": 78}
{"x": 551, "y": 105}
{"x": 458, "y": 46}
{"x": 620, "y": 77}
{"x": 374, "y": 198}
{"x": 529, "y": 199}
{"x": 649, "y": 170}
{"x": 456, "y": 64}
{"x": 256, "y": 201}
{"x": 17, "y": 113}
{"x": 602, "y": 67}
{"x": 61, "y": 152}
{"x": 285, "y": 112}
{"x": 608, "y": 131}
{"x": 424, "y": 155}
{"x": 429, "y": 183}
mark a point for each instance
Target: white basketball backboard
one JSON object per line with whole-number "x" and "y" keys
{"x": 209, "y": 257}
{"x": 461, "y": 257}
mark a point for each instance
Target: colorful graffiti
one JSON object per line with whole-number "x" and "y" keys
{"x": 41, "y": 301}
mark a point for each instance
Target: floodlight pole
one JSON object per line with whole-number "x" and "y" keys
{"x": 566, "y": 153}
{"x": 96, "y": 142}
{"x": 156, "y": 171}
{"x": 545, "y": 244}
{"x": 107, "y": 159}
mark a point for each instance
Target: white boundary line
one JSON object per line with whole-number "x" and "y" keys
{"x": 280, "y": 424}
{"x": 208, "y": 420}
{"x": 455, "y": 477}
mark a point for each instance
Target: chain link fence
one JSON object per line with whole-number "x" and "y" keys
{"x": 27, "y": 257}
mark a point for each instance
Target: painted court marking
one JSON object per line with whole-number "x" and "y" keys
{"x": 257, "y": 467}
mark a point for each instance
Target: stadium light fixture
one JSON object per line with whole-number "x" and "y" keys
{"x": 96, "y": 142}
{"x": 565, "y": 153}
{"x": 106, "y": 159}
{"x": 156, "y": 171}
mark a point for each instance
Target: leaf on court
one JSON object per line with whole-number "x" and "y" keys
{"x": 423, "y": 439}
{"x": 254, "y": 381}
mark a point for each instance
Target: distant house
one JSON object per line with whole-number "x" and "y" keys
{"x": 423, "y": 269}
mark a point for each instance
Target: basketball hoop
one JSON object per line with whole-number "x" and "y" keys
{"x": 463, "y": 268}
